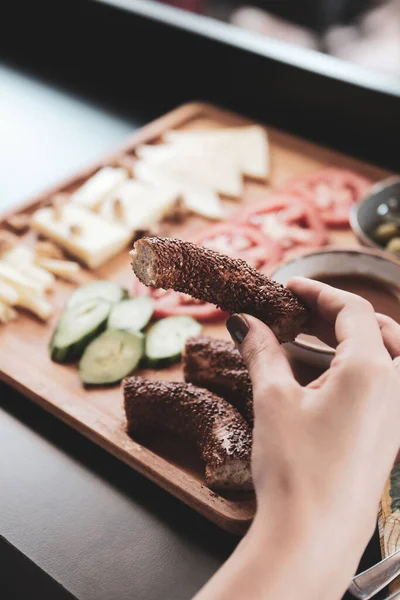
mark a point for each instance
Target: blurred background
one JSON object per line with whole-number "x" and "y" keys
{"x": 364, "y": 32}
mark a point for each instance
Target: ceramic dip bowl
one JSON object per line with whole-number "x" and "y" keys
{"x": 332, "y": 262}
{"x": 374, "y": 209}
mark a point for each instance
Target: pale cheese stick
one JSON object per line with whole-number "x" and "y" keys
{"x": 21, "y": 258}
{"x": 7, "y": 314}
{"x": 39, "y": 305}
{"x": 8, "y": 294}
{"x": 66, "y": 269}
{"x": 10, "y": 275}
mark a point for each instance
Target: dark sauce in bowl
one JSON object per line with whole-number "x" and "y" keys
{"x": 384, "y": 297}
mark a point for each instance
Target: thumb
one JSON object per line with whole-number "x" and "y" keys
{"x": 390, "y": 331}
{"x": 260, "y": 350}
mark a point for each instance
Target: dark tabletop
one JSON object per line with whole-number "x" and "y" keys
{"x": 74, "y": 520}
{"x": 89, "y": 522}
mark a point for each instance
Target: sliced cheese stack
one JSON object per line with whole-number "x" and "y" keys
{"x": 82, "y": 233}
{"x": 26, "y": 276}
{"x": 23, "y": 284}
{"x": 202, "y": 164}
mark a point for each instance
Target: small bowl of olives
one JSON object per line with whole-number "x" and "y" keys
{"x": 376, "y": 219}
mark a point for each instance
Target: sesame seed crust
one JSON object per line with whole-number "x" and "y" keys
{"x": 229, "y": 283}
{"x": 220, "y": 433}
{"x": 217, "y": 366}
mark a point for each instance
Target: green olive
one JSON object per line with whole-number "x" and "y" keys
{"x": 385, "y": 232}
{"x": 394, "y": 245}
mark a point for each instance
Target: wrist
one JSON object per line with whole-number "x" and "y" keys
{"x": 288, "y": 555}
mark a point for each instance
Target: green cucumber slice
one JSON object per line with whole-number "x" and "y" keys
{"x": 77, "y": 327}
{"x": 132, "y": 314}
{"x": 111, "y": 357}
{"x": 99, "y": 289}
{"x": 165, "y": 340}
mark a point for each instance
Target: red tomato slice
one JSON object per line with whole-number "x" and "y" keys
{"x": 139, "y": 289}
{"x": 168, "y": 303}
{"x": 233, "y": 239}
{"x": 240, "y": 241}
{"x": 174, "y": 303}
{"x": 285, "y": 218}
{"x": 332, "y": 191}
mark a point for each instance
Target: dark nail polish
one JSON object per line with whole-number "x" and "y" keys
{"x": 237, "y": 327}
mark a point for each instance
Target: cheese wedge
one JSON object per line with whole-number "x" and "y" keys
{"x": 197, "y": 198}
{"x": 198, "y": 164}
{"x": 94, "y": 190}
{"x": 138, "y": 206}
{"x": 246, "y": 146}
{"x": 82, "y": 233}
{"x": 65, "y": 269}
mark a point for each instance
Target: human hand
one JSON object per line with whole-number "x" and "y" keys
{"x": 322, "y": 453}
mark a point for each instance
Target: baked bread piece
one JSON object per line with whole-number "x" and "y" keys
{"x": 217, "y": 366}
{"x": 220, "y": 433}
{"x": 229, "y": 283}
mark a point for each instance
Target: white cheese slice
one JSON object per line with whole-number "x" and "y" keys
{"x": 199, "y": 199}
{"x": 201, "y": 164}
{"x": 137, "y": 205}
{"x": 94, "y": 190}
{"x": 246, "y": 146}
{"x": 97, "y": 241}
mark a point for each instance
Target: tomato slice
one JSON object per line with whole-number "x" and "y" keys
{"x": 174, "y": 303}
{"x": 293, "y": 223}
{"x": 332, "y": 191}
{"x": 168, "y": 303}
{"x": 236, "y": 240}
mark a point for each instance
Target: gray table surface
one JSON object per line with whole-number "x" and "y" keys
{"x": 84, "y": 524}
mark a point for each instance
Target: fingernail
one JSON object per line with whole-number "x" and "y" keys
{"x": 237, "y": 327}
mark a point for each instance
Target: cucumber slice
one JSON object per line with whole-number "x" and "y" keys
{"x": 111, "y": 357}
{"x": 132, "y": 314}
{"x": 165, "y": 340}
{"x": 99, "y": 289}
{"x": 77, "y": 327}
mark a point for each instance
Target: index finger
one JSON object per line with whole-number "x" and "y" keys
{"x": 352, "y": 317}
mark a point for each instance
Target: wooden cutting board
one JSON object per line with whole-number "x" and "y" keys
{"x": 98, "y": 413}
